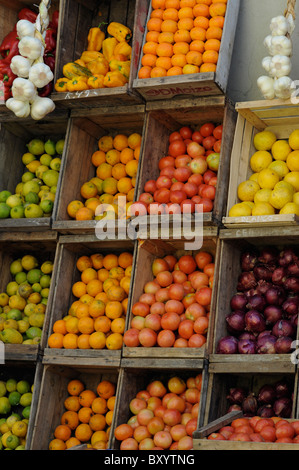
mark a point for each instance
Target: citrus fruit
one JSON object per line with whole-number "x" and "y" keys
{"x": 268, "y": 178}
{"x": 14, "y": 398}
{"x": 11, "y": 385}
{"x": 264, "y": 140}
{"x": 26, "y": 412}
{"x": 262, "y": 195}
{"x": 263, "y": 208}
{"x": 260, "y": 160}
{"x": 294, "y": 139}
{"x": 12, "y": 441}
{"x": 16, "y": 267}
{"x": 240, "y": 210}
{"x": 23, "y": 386}
{"x": 59, "y": 146}
{"x": 280, "y": 167}
{"x": 33, "y": 211}
{"x": 293, "y": 178}
{"x": 26, "y": 399}
{"x": 290, "y": 208}
{"x": 36, "y": 147}
{"x": 19, "y": 428}
{"x": 280, "y": 196}
{"x": 4, "y": 210}
{"x": 280, "y": 150}
{"x": 247, "y": 190}
{"x": 293, "y": 160}
{"x": 5, "y": 406}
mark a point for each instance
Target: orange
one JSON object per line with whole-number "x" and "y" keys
{"x": 206, "y": 68}
{"x": 137, "y": 155}
{"x": 132, "y": 168}
{"x": 57, "y": 444}
{"x": 210, "y": 57}
{"x": 164, "y": 49}
{"x": 125, "y": 305}
{"x": 84, "y": 213}
{"x": 172, "y": 4}
{"x": 217, "y": 9}
{"x": 75, "y": 387}
{"x": 97, "y": 339}
{"x": 125, "y": 259}
{"x": 194, "y": 58}
{"x": 120, "y": 142}
{"x": 169, "y": 25}
{"x": 88, "y": 190}
{"x": 110, "y": 283}
{"x": 79, "y": 288}
{"x": 70, "y": 417}
{"x": 88, "y": 275}
{"x": 94, "y": 287}
{"x": 84, "y": 414}
{"x": 116, "y": 293}
{"x": 83, "y": 341}
{"x": 117, "y": 273}
{"x": 62, "y": 432}
{"x": 56, "y": 340}
{"x": 179, "y": 60}
{"x": 201, "y": 22}
{"x": 149, "y": 60}
{"x": 70, "y": 341}
{"x": 198, "y": 33}
{"x": 106, "y": 389}
{"x": 110, "y": 186}
{"x": 190, "y": 68}
{"x": 72, "y": 442}
{"x": 98, "y": 157}
{"x": 214, "y": 32}
{"x": 59, "y": 327}
{"x": 131, "y": 194}
{"x": 82, "y": 310}
{"x": 182, "y": 35}
{"x": 126, "y": 155}
{"x": 216, "y": 21}
{"x": 73, "y": 308}
{"x": 86, "y": 397}
{"x": 71, "y": 403}
{"x": 186, "y": 23}
{"x": 118, "y": 325}
{"x": 83, "y": 432}
{"x": 85, "y": 325}
{"x": 73, "y": 208}
{"x": 187, "y": 3}
{"x": 174, "y": 71}
{"x": 201, "y": 10}
{"x": 186, "y": 12}
{"x": 134, "y": 140}
{"x": 96, "y": 308}
{"x": 125, "y": 284}
{"x": 93, "y": 204}
{"x": 212, "y": 45}
{"x": 86, "y": 299}
{"x": 197, "y": 45}
{"x": 110, "y": 261}
{"x": 119, "y": 171}
{"x": 102, "y": 325}
{"x": 99, "y": 405}
{"x": 97, "y": 422}
{"x": 106, "y": 198}
{"x": 111, "y": 403}
{"x": 113, "y": 310}
{"x": 161, "y": 63}
{"x": 158, "y": 13}
{"x": 170, "y": 14}
{"x": 105, "y": 143}
{"x": 128, "y": 271}
{"x": 96, "y": 260}
{"x": 104, "y": 170}
{"x": 83, "y": 262}
{"x": 154, "y": 24}
{"x": 109, "y": 417}
{"x": 103, "y": 274}
{"x": 152, "y": 36}
{"x": 114, "y": 341}
{"x": 124, "y": 185}
{"x": 165, "y": 36}
{"x": 158, "y": 4}
{"x": 102, "y": 296}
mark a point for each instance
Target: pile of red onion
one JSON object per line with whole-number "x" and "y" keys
{"x": 264, "y": 310}
{"x": 271, "y": 400}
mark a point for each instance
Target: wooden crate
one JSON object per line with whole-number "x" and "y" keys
{"x": 278, "y": 116}
{"x": 14, "y": 135}
{"x": 134, "y": 378}
{"x": 32, "y": 372}
{"x": 83, "y": 141}
{"x": 146, "y": 252}
{"x": 14, "y": 246}
{"x": 201, "y": 443}
{"x": 163, "y": 118}
{"x": 53, "y": 392}
{"x": 232, "y": 243}
{"x": 77, "y": 18}
{"x": 199, "y": 84}
{"x": 219, "y": 385}
{"x": 70, "y": 248}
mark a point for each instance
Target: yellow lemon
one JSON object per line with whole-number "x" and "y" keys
{"x": 294, "y": 139}
{"x": 33, "y": 166}
{"x": 254, "y": 177}
{"x": 249, "y": 203}
{"x": 296, "y": 198}
{"x": 19, "y": 429}
{"x": 290, "y": 208}
{"x": 262, "y": 195}
{"x": 280, "y": 150}
{"x": 263, "y": 208}
{"x": 280, "y": 167}
{"x": 285, "y": 184}
{"x": 260, "y": 160}
{"x": 268, "y": 178}
{"x": 247, "y": 190}
{"x": 240, "y": 210}
{"x": 293, "y": 160}
{"x": 264, "y": 140}
{"x": 280, "y": 197}
{"x": 293, "y": 178}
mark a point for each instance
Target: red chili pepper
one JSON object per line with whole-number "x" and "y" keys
{"x": 55, "y": 20}
{"x": 50, "y": 40}
{"x": 6, "y": 74}
{"x": 7, "y": 42}
{"x": 49, "y": 60}
{"x": 14, "y": 50}
{"x": 27, "y": 14}
{"x": 46, "y": 90}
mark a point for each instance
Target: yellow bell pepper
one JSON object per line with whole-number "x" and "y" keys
{"x": 95, "y": 39}
{"x": 77, "y": 84}
{"x": 88, "y": 56}
{"x": 108, "y": 47}
{"x": 122, "y": 66}
{"x": 114, "y": 79}
{"x": 119, "y": 31}
{"x": 96, "y": 81}
{"x": 80, "y": 62}
{"x": 123, "y": 48}
{"x": 98, "y": 66}
{"x": 61, "y": 84}
{"x": 72, "y": 70}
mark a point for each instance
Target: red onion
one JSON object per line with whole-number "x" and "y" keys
{"x": 262, "y": 272}
{"x": 236, "y": 321}
{"x": 294, "y": 320}
{"x": 246, "y": 281}
{"x": 256, "y": 302}
{"x": 268, "y": 255}
{"x": 238, "y": 301}
{"x": 255, "y": 322}
{"x": 266, "y": 395}
{"x": 283, "y": 328}
{"x": 264, "y": 333}
{"x": 246, "y": 346}
{"x": 293, "y": 269}
{"x": 266, "y": 344}
{"x": 265, "y": 411}
{"x": 247, "y": 335}
{"x": 249, "y": 405}
{"x": 236, "y": 395}
{"x": 234, "y": 408}
{"x": 291, "y": 306}
{"x": 283, "y": 345}
{"x": 275, "y": 295}
{"x": 262, "y": 287}
{"x": 272, "y": 314}
{"x": 283, "y": 407}
{"x": 282, "y": 389}
{"x": 227, "y": 345}
{"x": 286, "y": 257}
{"x": 279, "y": 276}
{"x": 292, "y": 284}
{"x": 248, "y": 260}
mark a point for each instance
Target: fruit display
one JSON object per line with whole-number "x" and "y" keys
{"x": 173, "y": 310}
{"x": 23, "y": 303}
{"x": 270, "y": 400}
{"x": 105, "y": 63}
{"x": 264, "y": 309}
{"x": 273, "y": 187}
{"x": 187, "y": 174}
{"x": 87, "y": 417}
{"x": 163, "y": 416}
{"x": 96, "y": 319}
{"x": 34, "y": 195}
{"x": 183, "y": 37}
{"x": 257, "y": 429}
{"x": 111, "y": 189}
{"x": 15, "y": 406}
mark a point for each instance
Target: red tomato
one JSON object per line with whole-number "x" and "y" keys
{"x": 182, "y": 161}
{"x": 207, "y": 205}
{"x": 213, "y": 181}
{"x": 163, "y": 182}
{"x": 165, "y": 338}
{"x": 177, "y": 197}
{"x": 217, "y": 146}
{"x": 194, "y": 149}
{"x": 185, "y": 329}
{"x": 207, "y": 129}
{"x": 166, "y": 161}
{"x": 196, "y": 199}
{"x": 196, "y": 341}
{"x": 191, "y": 189}
{"x": 162, "y": 195}
{"x": 177, "y": 186}
{"x": 216, "y": 436}
{"x": 150, "y": 186}
{"x": 268, "y": 434}
{"x": 196, "y": 178}
{"x": 188, "y": 206}
{"x": 217, "y": 132}
{"x": 171, "y": 261}
{"x": 175, "y": 136}
{"x": 170, "y": 321}
{"x": 204, "y": 296}
{"x": 197, "y": 137}
{"x": 140, "y": 309}
{"x": 176, "y": 148}
{"x": 209, "y": 192}
{"x": 147, "y": 198}
{"x": 208, "y": 175}
{"x": 203, "y": 258}
{"x": 208, "y": 142}
{"x": 167, "y": 171}
{"x": 138, "y": 208}
{"x": 187, "y": 264}
{"x": 186, "y": 132}
{"x": 182, "y": 174}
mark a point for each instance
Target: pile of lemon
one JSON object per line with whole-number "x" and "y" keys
{"x": 23, "y": 303}
{"x": 273, "y": 187}
{"x": 15, "y": 406}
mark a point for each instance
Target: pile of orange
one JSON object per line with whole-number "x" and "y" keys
{"x": 183, "y": 37}
{"x": 87, "y": 417}
{"x": 96, "y": 318}
{"x": 116, "y": 166}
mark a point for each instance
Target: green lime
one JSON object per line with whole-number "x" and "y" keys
{"x": 21, "y": 277}
{"x": 36, "y": 287}
{"x": 50, "y": 178}
{"x": 45, "y": 159}
{"x": 4, "y": 210}
{"x": 23, "y": 386}
{"x": 34, "y": 275}
{"x": 12, "y": 288}
{"x": 33, "y": 211}
{"x": 14, "y": 398}
{"x": 59, "y": 146}
{"x": 32, "y": 198}
{"x": 16, "y": 267}
{"x": 46, "y": 206}
{"x": 14, "y": 314}
{"x": 50, "y": 147}
{"x": 27, "y": 176}
{"x": 26, "y": 412}
{"x": 45, "y": 280}
{"x": 34, "y": 332}
{"x": 26, "y": 399}
{"x": 12, "y": 441}
{"x": 17, "y": 212}
{"x": 4, "y": 195}
{"x": 36, "y": 147}
{"x": 45, "y": 292}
